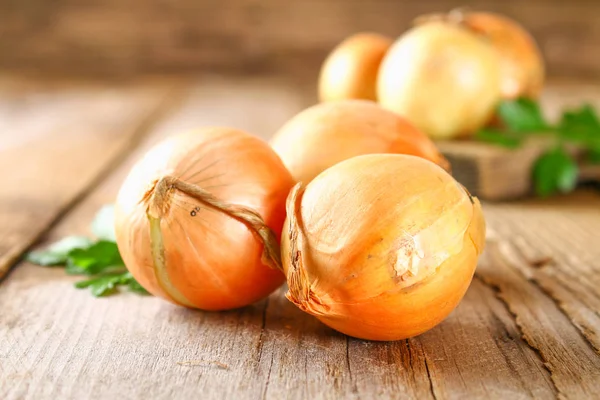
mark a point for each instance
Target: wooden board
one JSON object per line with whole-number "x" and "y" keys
{"x": 524, "y": 330}
{"x": 492, "y": 172}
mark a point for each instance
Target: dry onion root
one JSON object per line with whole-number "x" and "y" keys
{"x": 198, "y": 219}
{"x": 521, "y": 62}
{"x": 327, "y": 133}
{"x": 350, "y": 70}
{"x": 381, "y": 247}
{"x": 442, "y": 78}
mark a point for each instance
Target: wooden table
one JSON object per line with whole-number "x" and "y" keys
{"x": 529, "y": 326}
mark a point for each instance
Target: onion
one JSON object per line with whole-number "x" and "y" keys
{"x": 350, "y": 70}
{"x": 521, "y": 62}
{"x": 197, "y": 219}
{"x": 325, "y": 134}
{"x": 442, "y": 78}
{"x": 381, "y": 246}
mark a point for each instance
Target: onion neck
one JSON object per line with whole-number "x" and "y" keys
{"x": 159, "y": 197}
{"x": 300, "y": 290}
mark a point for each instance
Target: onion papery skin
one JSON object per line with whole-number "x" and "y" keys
{"x": 182, "y": 249}
{"x": 442, "y": 78}
{"x": 381, "y": 247}
{"x": 327, "y": 133}
{"x": 521, "y": 62}
{"x": 350, "y": 70}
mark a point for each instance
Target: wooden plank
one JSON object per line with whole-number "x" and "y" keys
{"x": 557, "y": 251}
{"x": 96, "y": 37}
{"x": 571, "y": 360}
{"x": 55, "y": 141}
{"x": 62, "y": 343}
{"x": 479, "y": 353}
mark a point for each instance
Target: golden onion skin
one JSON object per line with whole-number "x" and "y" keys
{"x": 202, "y": 258}
{"x": 521, "y": 62}
{"x": 327, "y": 133}
{"x": 381, "y": 247}
{"x": 442, "y": 78}
{"x": 350, "y": 70}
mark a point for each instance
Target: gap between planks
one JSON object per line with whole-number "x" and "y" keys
{"x": 165, "y": 98}
{"x": 573, "y": 363}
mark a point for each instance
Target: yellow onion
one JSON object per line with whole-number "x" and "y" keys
{"x": 381, "y": 246}
{"x": 350, "y": 70}
{"x": 521, "y": 62}
{"x": 327, "y": 133}
{"x": 198, "y": 219}
{"x": 442, "y": 78}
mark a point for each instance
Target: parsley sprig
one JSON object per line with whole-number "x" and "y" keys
{"x": 99, "y": 260}
{"x": 555, "y": 170}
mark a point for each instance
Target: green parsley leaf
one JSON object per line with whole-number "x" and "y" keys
{"x": 555, "y": 171}
{"x": 522, "y": 116}
{"x": 106, "y": 284}
{"x": 134, "y": 286}
{"x": 503, "y": 139}
{"x": 581, "y": 126}
{"x": 594, "y": 156}
{"x": 57, "y": 253}
{"x": 103, "y": 226}
{"x": 97, "y": 258}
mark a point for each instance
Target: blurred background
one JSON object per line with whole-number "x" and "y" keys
{"x": 129, "y": 37}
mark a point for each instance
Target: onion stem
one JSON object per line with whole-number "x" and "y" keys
{"x": 271, "y": 255}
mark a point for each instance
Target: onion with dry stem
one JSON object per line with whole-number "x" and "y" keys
{"x": 327, "y": 133}
{"x": 382, "y": 246}
{"x": 521, "y": 62}
{"x": 350, "y": 70}
{"x": 198, "y": 219}
{"x": 442, "y": 78}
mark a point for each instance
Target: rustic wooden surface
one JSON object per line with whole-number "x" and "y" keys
{"x": 529, "y": 326}
{"x": 125, "y": 36}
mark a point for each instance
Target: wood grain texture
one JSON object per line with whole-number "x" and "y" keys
{"x": 54, "y": 143}
{"x": 128, "y": 36}
{"x": 526, "y": 328}
{"x": 571, "y": 360}
{"x": 559, "y": 253}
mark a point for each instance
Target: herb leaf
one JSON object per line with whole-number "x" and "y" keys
{"x": 95, "y": 259}
{"x": 581, "y": 126}
{"x": 57, "y": 253}
{"x": 103, "y": 226}
{"x": 555, "y": 171}
{"x": 99, "y": 260}
{"x": 522, "y": 116}
{"x": 106, "y": 284}
{"x": 500, "y": 138}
